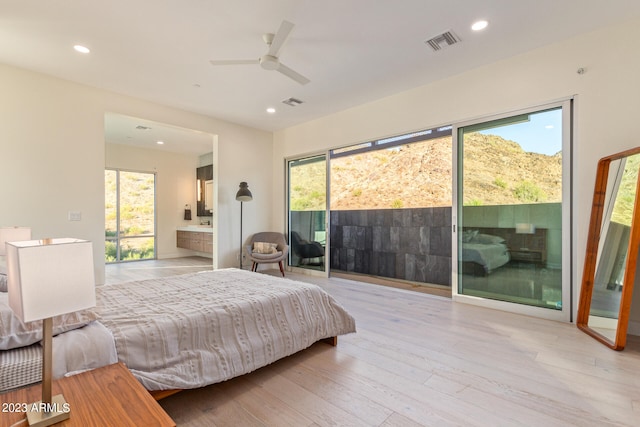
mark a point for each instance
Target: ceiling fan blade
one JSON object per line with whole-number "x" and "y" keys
{"x": 234, "y": 61}
{"x": 280, "y": 38}
{"x": 293, "y": 74}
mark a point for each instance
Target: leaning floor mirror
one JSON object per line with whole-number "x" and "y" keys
{"x": 612, "y": 250}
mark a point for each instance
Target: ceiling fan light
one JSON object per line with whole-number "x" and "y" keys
{"x": 269, "y": 62}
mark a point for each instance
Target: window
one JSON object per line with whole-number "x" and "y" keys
{"x": 390, "y": 210}
{"x": 512, "y": 210}
{"x": 129, "y": 215}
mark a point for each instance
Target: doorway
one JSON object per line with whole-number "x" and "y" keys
{"x": 173, "y": 154}
{"x": 307, "y": 212}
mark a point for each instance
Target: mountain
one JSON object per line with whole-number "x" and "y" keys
{"x": 497, "y": 171}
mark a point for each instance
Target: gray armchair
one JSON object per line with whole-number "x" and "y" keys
{"x": 267, "y": 248}
{"x": 305, "y": 249}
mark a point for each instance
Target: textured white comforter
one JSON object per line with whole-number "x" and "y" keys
{"x": 192, "y": 330}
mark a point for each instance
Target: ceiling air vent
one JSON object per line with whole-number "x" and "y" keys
{"x": 292, "y": 102}
{"x": 443, "y": 40}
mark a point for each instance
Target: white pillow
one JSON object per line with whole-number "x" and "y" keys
{"x": 265, "y": 248}
{"x": 487, "y": 239}
{"x": 14, "y": 333}
{"x": 468, "y": 235}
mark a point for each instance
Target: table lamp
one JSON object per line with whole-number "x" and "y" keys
{"x": 525, "y": 228}
{"x": 47, "y": 278}
{"x": 12, "y": 234}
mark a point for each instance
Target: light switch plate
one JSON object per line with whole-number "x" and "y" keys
{"x": 75, "y": 216}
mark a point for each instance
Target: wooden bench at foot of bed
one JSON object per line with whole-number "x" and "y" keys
{"x": 161, "y": 394}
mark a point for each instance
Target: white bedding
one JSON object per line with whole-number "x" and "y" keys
{"x": 89, "y": 347}
{"x": 489, "y": 256}
{"x": 74, "y": 351}
{"x": 193, "y": 330}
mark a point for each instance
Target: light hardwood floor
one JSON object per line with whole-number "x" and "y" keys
{"x": 423, "y": 360}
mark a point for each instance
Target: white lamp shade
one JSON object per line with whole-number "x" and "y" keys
{"x": 525, "y": 228}
{"x": 12, "y": 234}
{"x": 49, "y": 278}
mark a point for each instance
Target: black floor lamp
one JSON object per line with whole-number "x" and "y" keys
{"x": 243, "y": 195}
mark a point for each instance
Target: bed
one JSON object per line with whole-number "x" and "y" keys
{"x": 187, "y": 331}
{"x": 483, "y": 253}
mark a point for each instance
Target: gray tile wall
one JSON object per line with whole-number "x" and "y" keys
{"x": 408, "y": 244}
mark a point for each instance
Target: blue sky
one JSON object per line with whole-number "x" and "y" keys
{"x": 541, "y": 134}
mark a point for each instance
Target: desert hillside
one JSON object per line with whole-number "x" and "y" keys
{"x": 418, "y": 175}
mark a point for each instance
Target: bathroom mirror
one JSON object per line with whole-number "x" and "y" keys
{"x": 208, "y": 196}
{"x": 204, "y": 181}
{"x": 612, "y": 250}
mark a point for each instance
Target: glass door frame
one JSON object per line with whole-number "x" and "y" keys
{"x": 327, "y": 253}
{"x": 569, "y": 303}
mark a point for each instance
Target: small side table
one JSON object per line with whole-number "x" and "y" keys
{"x": 527, "y": 255}
{"x": 108, "y": 396}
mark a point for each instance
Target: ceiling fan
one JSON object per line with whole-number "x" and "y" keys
{"x": 270, "y": 60}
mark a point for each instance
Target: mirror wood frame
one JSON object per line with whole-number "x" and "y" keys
{"x": 591, "y": 258}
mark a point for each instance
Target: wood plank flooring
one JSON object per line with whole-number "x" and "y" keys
{"x": 149, "y": 269}
{"x": 423, "y": 360}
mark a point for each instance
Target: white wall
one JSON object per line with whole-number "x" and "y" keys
{"x": 606, "y": 114}
{"x": 52, "y": 159}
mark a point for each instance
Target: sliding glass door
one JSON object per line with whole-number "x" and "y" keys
{"x": 129, "y": 215}
{"x": 511, "y": 212}
{"x": 307, "y": 206}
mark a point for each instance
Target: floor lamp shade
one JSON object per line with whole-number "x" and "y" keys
{"x": 12, "y": 234}
{"x": 47, "y": 278}
{"x": 243, "y": 194}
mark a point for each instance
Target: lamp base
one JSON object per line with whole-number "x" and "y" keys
{"x": 59, "y": 410}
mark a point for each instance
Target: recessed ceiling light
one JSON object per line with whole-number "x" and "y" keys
{"x": 160, "y": 142}
{"x": 479, "y": 25}
{"x": 81, "y": 49}
{"x": 271, "y": 110}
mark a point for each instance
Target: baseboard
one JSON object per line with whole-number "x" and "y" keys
{"x": 184, "y": 255}
{"x": 634, "y": 328}
{"x": 173, "y": 255}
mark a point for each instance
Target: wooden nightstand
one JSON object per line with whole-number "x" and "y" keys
{"x": 108, "y": 396}
{"x": 526, "y": 255}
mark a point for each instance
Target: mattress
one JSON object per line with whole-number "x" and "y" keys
{"x": 192, "y": 330}
{"x": 74, "y": 351}
{"x": 489, "y": 256}
{"x": 20, "y": 367}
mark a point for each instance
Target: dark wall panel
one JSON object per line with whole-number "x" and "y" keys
{"x": 408, "y": 244}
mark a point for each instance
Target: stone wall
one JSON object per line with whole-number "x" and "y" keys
{"x": 408, "y": 244}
